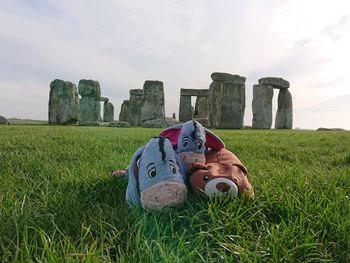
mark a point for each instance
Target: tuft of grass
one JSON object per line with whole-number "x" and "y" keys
{"x": 59, "y": 202}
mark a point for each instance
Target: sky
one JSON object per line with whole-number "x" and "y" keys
{"x": 180, "y": 42}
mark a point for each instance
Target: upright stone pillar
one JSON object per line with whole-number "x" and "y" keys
{"x": 201, "y": 107}
{"x": 262, "y": 106}
{"x": 152, "y": 106}
{"x": 284, "y": 115}
{"x": 108, "y": 111}
{"x": 124, "y": 111}
{"x": 90, "y": 107}
{"x": 213, "y": 101}
{"x": 226, "y": 101}
{"x": 185, "y": 111}
{"x": 63, "y": 102}
{"x": 135, "y": 101}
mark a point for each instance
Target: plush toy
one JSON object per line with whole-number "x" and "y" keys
{"x": 191, "y": 141}
{"x": 222, "y": 174}
{"x": 155, "y": 179}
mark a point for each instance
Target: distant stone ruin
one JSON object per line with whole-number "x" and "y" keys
{"x": 201, "y": 109}
{"x": 3, "y": 120}
{"x": 144, "y": 105}
{"x": 63, "y": 102}
{"x": 262, "y": 104}
{"x": 65, "y": 106}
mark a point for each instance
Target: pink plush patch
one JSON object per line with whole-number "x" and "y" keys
{"x": 172, "y": 134}
{"x": 212, "y": 141}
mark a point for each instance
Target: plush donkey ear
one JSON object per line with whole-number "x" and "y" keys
{"x": 172, "y": 133}
{"x": 133, "y": 191}
{"x": 213, "y": 141}
{"x": 182, "y": 168}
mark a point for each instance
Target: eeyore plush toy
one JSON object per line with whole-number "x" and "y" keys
{"x": 156, "y": 176}
{"x": 191, "y": 141}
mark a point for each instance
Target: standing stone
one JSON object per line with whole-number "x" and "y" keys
{"x": 231, "y": 106}
{"x": 134, "y": 112}
{"x": 152, "y": 106}
{"x": 213, "y": 101}
{"x": 284, "y": 115}
{"x": 262, "y": 106}
{"x": 124, "y": 111}
{"x": 201, "y": 107}
{"x": 173, "y": 116}
{"x": 63, "y": 102}
{"x": 185, "y": 109}
{"x": 90, "y": 107}
{"x": 3, "y": 120}
{"x": 108, "y": 111}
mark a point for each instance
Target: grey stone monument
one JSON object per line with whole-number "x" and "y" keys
{"x": 152, "y": 106}
{"x": 226, "y": 101}
{"x": 186, "y": 111}
{"x": 108, "y": 111}
{"x": 89, "y": 108}
{"x": 134, "y": 112}
{"x": 124, "y": 111}
{"x": 262, "y": 106}
{"x": 63, "y": 102}
{"x": 284, "y": 115}
{"x": 201, "y": 107}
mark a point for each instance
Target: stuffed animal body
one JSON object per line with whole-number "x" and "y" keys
{"x": 222, "y": 174}
{"x": 156, "y": 176}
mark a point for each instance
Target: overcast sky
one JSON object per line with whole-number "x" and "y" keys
{"x": 180, "y": 42}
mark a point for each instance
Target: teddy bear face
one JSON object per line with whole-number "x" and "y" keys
{"x": 223, "y": 174}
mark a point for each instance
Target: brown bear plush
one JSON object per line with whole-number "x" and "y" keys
{"x": 222, "y": 174}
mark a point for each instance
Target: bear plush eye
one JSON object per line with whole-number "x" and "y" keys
{"x": 152, "y": 172}
{"x": 205, "y": 178}
{"x": 172, "y": 168}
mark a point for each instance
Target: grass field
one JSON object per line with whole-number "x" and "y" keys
{"x": 58, "y": 201}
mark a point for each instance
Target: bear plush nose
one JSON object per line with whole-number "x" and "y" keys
{"x": 223, "y": 187}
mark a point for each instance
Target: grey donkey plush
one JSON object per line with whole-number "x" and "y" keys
{"x": 156, "y": 176}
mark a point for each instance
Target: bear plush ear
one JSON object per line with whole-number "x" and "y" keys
{"x": 172, "y": 133}
{"x": 133, "y": 191}
{"x": 213, "y": 141}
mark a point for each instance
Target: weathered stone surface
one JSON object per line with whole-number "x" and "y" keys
{"x": 194, "y": 92}
{"x": 231, "y": 106}
{"x": 108, "y": 111}
{"x": 201, "y": 108}
{"x": 185, "y": 109}
{"x": 284, "y": 115}
{"x": 124, "y": 111}
{"x": 89, "y": 110}
{"x": 160, "y": 123}
{"x": 213, "y": 101}
{"x": 277, "y": 83}
{"x": 104, "y": 99}
{"x": 134, "y": 111}
{"x": 90, "y": 88}
{"x": 330, "y": 129}
{"x": 262, "y": 106}
{"x": 152, "y": 106}
{"x": 122, "y": 124}
{"x": 3, "y": 120}
{"x": 89, "y": 106}
{"x": 63, "y": 102}
{"x": 223, "y": 77}
{"x": 173, "y": 116}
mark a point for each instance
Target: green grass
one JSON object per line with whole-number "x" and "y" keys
{"x": 58, "y": 201}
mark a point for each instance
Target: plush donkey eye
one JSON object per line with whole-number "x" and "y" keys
{"x": 205, "y": 178}
{"x": 185, "y": 142}
{"x": 172, "y": 168}
{"x": 152, "y": 172}
{"x": 200, "y": 144}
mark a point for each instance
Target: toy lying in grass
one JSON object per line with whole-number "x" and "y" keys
{"x": 154, "y": 176}
{"x": 191, "y": 141}
{"x": 222, "y": 174}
